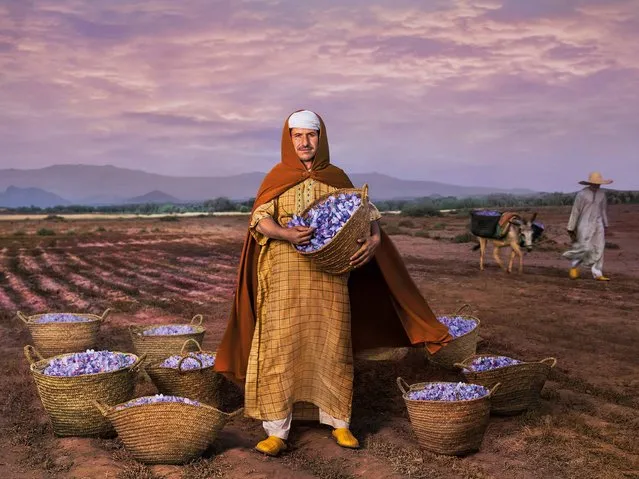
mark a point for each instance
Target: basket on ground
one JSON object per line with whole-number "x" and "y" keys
{"x": 521, "y": 384}
{"x": 460, "y": 347}
{"x": 334, "y": 256}
{"x": 201, "y": 384}
{"x": 51, "y": 339}
{"x": 452, "y": 428}
{"x": 166, "y": 432}
{"x": 158, "y": 347}
{"x": 68, "y": 401}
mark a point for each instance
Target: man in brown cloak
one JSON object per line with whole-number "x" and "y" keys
{"x": 293, "y": 329}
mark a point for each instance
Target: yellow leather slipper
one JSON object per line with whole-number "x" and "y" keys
{"x": 345, "y": 438}
{"x": 271, "y": 446}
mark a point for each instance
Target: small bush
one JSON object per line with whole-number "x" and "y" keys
{"x": 54, "y": 218}
{"x": 169, "y": 218}
{"x": 45, "y": 232}
{"x": 100, "y": 229}
{"x": 392, "y": 230}
{"x": 143, "y": 230}
{"x": 439, "y": 226}
{"x": 422, "y": 234}
{"x": 19, "y": 233}
{"x": 407, "y": 224}
{"x": 70, "y": 233}
{"x": 612, "y": 245}
{"x": 463, "y": 238}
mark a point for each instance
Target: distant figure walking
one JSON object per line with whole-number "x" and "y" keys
{"x": 587, "y": 226}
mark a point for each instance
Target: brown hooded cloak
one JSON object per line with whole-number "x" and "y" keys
{"x": 387, "y": 309}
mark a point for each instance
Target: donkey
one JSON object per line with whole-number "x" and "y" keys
{"x": 519, "y": 230}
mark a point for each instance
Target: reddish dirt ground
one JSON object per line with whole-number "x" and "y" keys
{"x": 150, "y": 270}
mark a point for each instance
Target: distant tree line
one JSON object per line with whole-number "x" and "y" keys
{"x": 428, "y": 206}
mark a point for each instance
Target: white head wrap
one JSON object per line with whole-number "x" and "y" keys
{"x": 304, "y": 119}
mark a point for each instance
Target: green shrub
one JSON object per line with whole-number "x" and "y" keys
{"x": 464, "y": 238}
{"x": 45, "y": 232}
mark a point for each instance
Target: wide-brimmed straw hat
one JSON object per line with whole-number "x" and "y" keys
{"x": 595, "y": 178}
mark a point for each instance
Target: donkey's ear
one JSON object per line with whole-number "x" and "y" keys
{"x": 516, "y": 221}
{"x": 533, "y": 217}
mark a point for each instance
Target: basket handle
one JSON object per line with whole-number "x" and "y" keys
{"x": 553, "y": 362}
{"x": 135, "y": 367}
{"x": 103, "y": 408}
{"x": 197, "y": 317}
{"x": 402, "y": 385}
{"x": 459, "y": 365}
{"x": 464, "y": 308}
{"x": 32, "y": 354}
{"x": 21, "y": 315}
{"x": 235, "y": 413}
{"x": 494, "y": 389}
{"x": 365, "y": 194}
{"x": 105, "y": 314}
{"x": 199, "y": 348}
{"x": 179, "y": 366}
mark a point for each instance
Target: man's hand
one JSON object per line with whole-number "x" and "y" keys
{"x": 299, "y": 235}
{"x": 366, "y": 251}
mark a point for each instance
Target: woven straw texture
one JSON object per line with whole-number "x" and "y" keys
{"x": 202, "y": 384}
{"x": 69, "y": 400}
{"x": 334, "y": 257}
{"x": 459, "y": 348}
{"x": 521, "y": 384}
{"x": 157, "y": 348}
{"x": 452, "y": 428}
{"x": 51, "y": 339}
{"x": 166, "y": 433}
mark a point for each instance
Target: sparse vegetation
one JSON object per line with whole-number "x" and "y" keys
{"x": 45, "y": 232}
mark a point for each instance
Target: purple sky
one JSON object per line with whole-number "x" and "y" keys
{"x": 521, "y": 93}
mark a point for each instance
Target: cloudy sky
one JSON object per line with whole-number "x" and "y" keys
{"x": 526, "y": 93}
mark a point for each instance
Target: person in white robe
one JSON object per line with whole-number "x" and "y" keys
{"x": 587, "y": 228}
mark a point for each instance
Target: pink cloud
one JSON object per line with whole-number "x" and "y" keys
{"x": 202, "y": 87}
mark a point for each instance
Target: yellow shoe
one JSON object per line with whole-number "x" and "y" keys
{"x": 602, "y": 278}
{"x": 271, "y": 446}
{"x": 574, "y": 273}
{"x": 345, "y": 438}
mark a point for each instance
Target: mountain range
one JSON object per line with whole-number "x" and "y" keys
{"x": 101, "y": 185}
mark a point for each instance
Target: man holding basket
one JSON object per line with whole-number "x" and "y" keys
{"x": 293, "y": 327}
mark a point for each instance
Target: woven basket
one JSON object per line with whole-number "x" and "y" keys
{"x": 69, "y": 400}
{"x": 199, "y": 384}
{"x": 521, "y": 384}
{"x": 334, "y": 256}
{"x": 453, "y": 428}
{"x": 166, "y": 433}
{"x": 459, "y": 348}
{"x": 51, "y": 339}
{"x": 157, "y": 348}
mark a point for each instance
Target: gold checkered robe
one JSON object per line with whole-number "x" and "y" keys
{"x": 301, "y": 350}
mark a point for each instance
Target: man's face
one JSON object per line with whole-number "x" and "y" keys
{"x": 305, "y": 142}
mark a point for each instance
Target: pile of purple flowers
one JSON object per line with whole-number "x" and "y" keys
{"x": 88, "y": 362}
{"x": 486, "y": 363}
{"x": 487, "y": 213}
{"x": 457, "y": 325}
{"x": 62, "y": 318}
{"x": 328, "y": 218}
{"x": 156, "y": 399}
{"x": 208, "y": 360}
{"x": 169, "y": 330}
{"x": 449, "y": 392}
